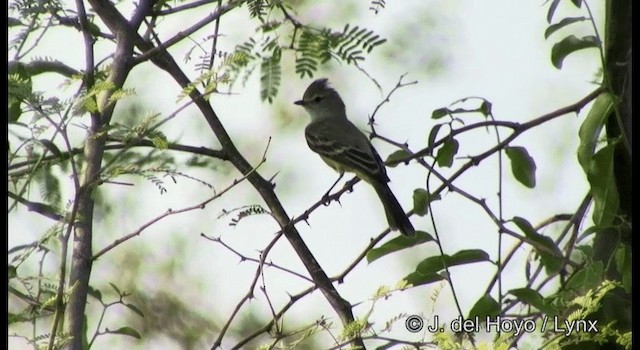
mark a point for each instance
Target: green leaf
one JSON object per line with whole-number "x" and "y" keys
{"x": 563, "y": 23}
{"x": 552, "y": 9}
{"x": 20, "y": 87}
{"x": 578, "y": 3}
{"x": 623, "y": 265}
{"x": 50, "y": 190}
{"x": 446, "y": 153}
{"x": 12, "y": 22}
{"x": 417, "y": 278}
{"x": 115, "y": 288}
{"x": 135, "y": 309}
{"x": 569, "y": 45}
{"x": 95, "y": 293}
{"x": 13, "y": 272}
{"x": 15, "y": 110}
{"x": 599, "y": 166}
{"x": 587, "y": 278}
{"x": 591, "y": 128}
{"x": 398, "y": 243}
{"x": 351, "y": 43}
{"x": 396, "y": 158}
{"x": 549, "y": 253}
{"x": 433, "y": 134}
{"x": 126, "y": 331}
{"x": 428, "y": 269}
{"x": 523, "y": 166}
{"x": 439, "y": 113}
{"x": 435, "y": 264}
{"x": 485, "y": 307}
{"x": 421, "y": 200}
{"x": 486, "y": 108}
{"x": 531, "y": 297}
{"x": 51, "y": 147}
{"x": 270, "y": 73}
{"x": 160, "y": 141}
{"x": 603, "y": 187}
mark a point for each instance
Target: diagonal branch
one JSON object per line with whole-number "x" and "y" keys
{"x": 159, "y": 56}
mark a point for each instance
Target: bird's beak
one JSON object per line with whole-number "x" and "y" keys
{"x": 299, "y": 103}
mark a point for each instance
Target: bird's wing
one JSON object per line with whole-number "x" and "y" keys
{"x": 344, "y": 144}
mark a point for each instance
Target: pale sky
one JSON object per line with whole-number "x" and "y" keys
{"x": 489, "y": 48}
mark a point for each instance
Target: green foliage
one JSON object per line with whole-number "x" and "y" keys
{"x": 485, "y": 108}
{"x": 485, "y": 306}
{"x": 592, "y": 127}
{"x": 87, "y": 103}
{"x": 245, "y": 211}
{"x": 128, "y": 331}
{"x": 563, "y": 23}
{"x": 352, "y": 42}
{"x": 523, "y": 166}
{"x": 623, "y": 265}
{"x": 396, "y": 158}
{"x": 531, "y": 297}
{"x": 399, "y": 243}
{"x": 544, "y": 246}
{"x": 226, "y": 71}
{"x": 446, "y": 153}
{"x": 258, "y": 8}
{"x": 19, "y": 88}
{"x": 49, "y": 187}
{"x": 377, "y": 5}
{"x": 429, "y": 270}
{"x": 603, "y": 187}
{"x": 421, "y": 200}
{"x": 584, "y": 306}
{"x": 598, "y": 166}
{"x": 312, "y": 47}
{"x": 270, "y": 73}
{"x": 570, "y": 43}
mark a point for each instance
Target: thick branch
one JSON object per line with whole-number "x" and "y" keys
{"x": 159, "y": 56}
{"x": 93, "y": 153}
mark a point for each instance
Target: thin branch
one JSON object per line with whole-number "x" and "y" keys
{"x": 518, "y": 129}
{"x": 187, "y": 6}
{"x": 214, "y": 45}
{"x": 40, "y": 66}
{"x": 203, "y": 151}
{"x": 247, "y": 258}
{"x": 249, "y": 295}
{"x": 269, "y": 325}
{"x": 387, "y": 99}
{"x": 189, "y": 31}
{"x": 170, "y": 212}
{"x": 37, "y": 207}
{"x": 38, "y": 39}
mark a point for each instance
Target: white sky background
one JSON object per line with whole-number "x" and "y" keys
{"x": 492, "y": 49}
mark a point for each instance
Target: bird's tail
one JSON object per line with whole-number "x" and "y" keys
{"x": 396, "y": 217}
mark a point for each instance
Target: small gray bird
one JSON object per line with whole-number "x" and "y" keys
{"x": 346, "y": 149}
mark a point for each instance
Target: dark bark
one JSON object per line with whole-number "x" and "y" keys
{"x": 616, "y": 306}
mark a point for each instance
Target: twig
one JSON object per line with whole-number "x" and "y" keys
{"x": 247, "y": 258}
{"x": 170, "y": 212}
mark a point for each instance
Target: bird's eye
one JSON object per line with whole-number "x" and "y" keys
{"x": 317, "y": 99}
